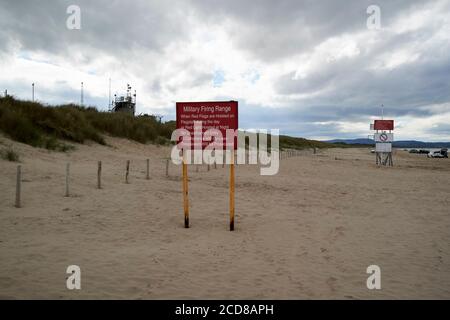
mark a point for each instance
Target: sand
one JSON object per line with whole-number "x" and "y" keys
{"x": 309, "y": 232}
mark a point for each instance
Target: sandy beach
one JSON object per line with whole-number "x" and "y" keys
{"x": 308, "y": 232}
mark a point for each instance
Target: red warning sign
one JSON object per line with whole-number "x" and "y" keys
{"x": 384, "y": 125}
{"x": 220, "y": 115}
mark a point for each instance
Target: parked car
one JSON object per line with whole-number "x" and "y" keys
{"x": 443, "y": 153}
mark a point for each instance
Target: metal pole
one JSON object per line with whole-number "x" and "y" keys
{"x": 109, "y": 99}
{"x": 81, "y": 98}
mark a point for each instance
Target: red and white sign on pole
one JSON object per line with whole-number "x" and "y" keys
{"x": 384, "y": 125}
{"x": 384, "y": 137}
{"x": 208, "y": 124}
{"x": 213, "y": 115}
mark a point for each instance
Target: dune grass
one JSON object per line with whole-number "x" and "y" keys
{"x": 9, "y": 154}
{"x": 49, "y": 126}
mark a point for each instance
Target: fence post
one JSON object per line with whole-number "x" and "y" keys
{"x": 148, "y": 169}
{"x": 127, "y": 172}
{"x": 18, "y": 182}
{"x": 99, "y": 175}
{"x": 67, "y": 178}
{"x": 167, "y": 168}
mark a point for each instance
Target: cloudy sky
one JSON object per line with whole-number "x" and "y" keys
{"x": 310, "y": 68}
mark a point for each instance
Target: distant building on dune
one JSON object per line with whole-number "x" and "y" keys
{"x": 125, "y": 103}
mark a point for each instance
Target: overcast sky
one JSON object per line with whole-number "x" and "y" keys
{"x": 310, "y": 68}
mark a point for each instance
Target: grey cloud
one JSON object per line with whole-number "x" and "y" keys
{"x": 270, "y": 30}
{"x": 110, "y": 27}
{"x": 440, "y": 128}
{"x": 137, "y": 34}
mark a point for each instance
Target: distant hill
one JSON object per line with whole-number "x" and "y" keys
{"x": 396, "y": 144}
{"x": 352, "y": 141}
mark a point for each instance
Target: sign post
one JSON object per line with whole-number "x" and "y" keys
{"x": 383, "y": 141}
{"x": 232, "y": 191}
{"x": 218, "y": 115}
{"x": 185, "y": 192}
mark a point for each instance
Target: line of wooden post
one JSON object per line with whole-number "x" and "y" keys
{"x": 18, "y": 203}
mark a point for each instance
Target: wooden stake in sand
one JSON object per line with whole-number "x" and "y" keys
{"x": 67, "y": 179}
{"x": 167, "y": 168}
{"x": 232, "y": 192}
{"x": 18, "y": 182}
{"x": 99, "y": 175}
{"x": 148, "y": 169}
{"x": 185, "y": 193}
{"x": 127, "y": 172}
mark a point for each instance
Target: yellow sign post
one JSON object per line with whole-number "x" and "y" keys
{"x": 185, "y": 192}
{"x": 220, "y": 115}
{"x": 232, "y": 191}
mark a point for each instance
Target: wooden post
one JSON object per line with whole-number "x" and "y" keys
{"x": 67, "y": 178}
{"x": 232, "y": 191}
{"x": 185, "y": 193}
{"x": 208, "y": 166}
{"x": 18, "y": 182}
{"x": 196, "y": 168}
{"x": 127, "y": 172}
{"x": 148, "y": 169}
{"x": 215, "y": 165}
{"x": 167, "y": 168}
{"x": 99, "y": 175}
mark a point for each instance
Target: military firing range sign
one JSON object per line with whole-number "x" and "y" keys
{"x": 221, "y": 115}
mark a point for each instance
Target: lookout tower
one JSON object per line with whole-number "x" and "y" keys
{"x": 125, "y": 103}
